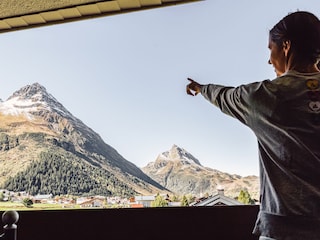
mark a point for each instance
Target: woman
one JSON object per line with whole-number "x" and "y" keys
{"x": 284, "y": 114}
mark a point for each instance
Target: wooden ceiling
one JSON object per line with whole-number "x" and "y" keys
{"x": 23, "y": 14}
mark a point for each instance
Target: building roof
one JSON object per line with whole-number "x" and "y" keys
{"x": 150, "y": 197}
{"x": 217, "y": 200}
{"x": 22, "y": 14}
{"x": 42, "y": 196}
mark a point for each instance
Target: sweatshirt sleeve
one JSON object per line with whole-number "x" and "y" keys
{"x": 233, "y": 101}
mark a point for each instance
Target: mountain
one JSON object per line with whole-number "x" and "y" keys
{"x": 44, "y": 148}
{"x": 182, "y": 173}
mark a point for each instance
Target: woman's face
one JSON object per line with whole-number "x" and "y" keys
{"x": 277, "y": 58}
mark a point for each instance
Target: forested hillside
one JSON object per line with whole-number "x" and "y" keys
{"x": 44, "y": 149}
{"x": 59, "y": 175}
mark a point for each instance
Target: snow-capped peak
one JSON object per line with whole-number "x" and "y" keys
{"x": 34, "y": 91}
{"x": 29, "y": 99}
{"x": 180, "y": 154}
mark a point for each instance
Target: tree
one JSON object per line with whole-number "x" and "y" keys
{"x": 2, "y": 196}
{"x": 184, "y": 201}
{"x": 174, "y": 198}
{"x": 27, "y": 202}
{"x": 159, "y": 201}
{"x": 244, "y": 197}
{"x": 191, "y": 198}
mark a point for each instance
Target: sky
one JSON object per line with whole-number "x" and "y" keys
{"x": 125, "y": 75}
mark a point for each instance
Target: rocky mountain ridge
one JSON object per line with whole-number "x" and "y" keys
{"x": 32, "y": 121}
{"x": 37, "y": 133}
{"x": 180, "y": 172}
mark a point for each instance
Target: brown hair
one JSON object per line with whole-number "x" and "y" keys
{"x": 302, "y": 29}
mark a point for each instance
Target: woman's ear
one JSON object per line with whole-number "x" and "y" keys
{"x": 286, "y": 47}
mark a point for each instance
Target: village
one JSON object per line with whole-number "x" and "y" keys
{"x": 50, "y": 201}
{"x": 9, "y": 199}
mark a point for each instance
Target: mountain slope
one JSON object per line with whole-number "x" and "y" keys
{"x": 33, "y": 122}
{"x": 182, "y": 173}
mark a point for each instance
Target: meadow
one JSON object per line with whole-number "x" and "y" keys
{"x": 4, "y": 206}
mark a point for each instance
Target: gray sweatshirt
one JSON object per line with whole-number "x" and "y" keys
{"x": 284, "y": 115}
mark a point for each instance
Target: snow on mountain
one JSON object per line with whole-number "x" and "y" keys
{"x": 179, "y": 154}
{"x": 182, "y": 173}
{"x": 31, "y": 99}
{"x": 51, "y": 128}
{"x": 15, "y": 106}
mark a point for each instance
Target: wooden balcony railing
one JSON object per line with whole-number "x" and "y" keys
{"x": 176, "y": 223}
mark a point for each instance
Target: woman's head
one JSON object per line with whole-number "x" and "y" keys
{"x": 298, "y": 37}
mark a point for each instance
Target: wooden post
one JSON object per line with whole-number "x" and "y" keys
{"x": 10, "y": 218}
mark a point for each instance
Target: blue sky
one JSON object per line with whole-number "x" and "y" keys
{"x": 125, "y": 75}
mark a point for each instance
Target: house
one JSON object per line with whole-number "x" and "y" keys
{"x": 42, "y": 198}
{"x": 218, "y": 199}
{"x": 92, "y": 203}
{"x": 174, "y": 204}
{"x": 136, "y": 205}
{"x": 146, "y": 201}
